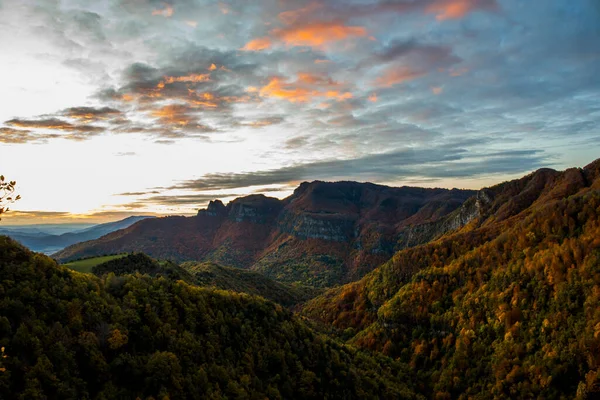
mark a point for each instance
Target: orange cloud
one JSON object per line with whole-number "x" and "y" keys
{"x": 437, "y": 90}
{"x": 455, "y": 9}
{"x": 306, "y": 88}
{"x": 318, "y": 34}
{"x": 166, "y": 12}
{"x": 92, "y": 114}
{"x": 277, "y": 88}
{"x": 212, "y": 67}
{"x": 205, "y": 99}
{"x": 189, "y": 78}
{"x": 174, "y": 114}
{"x": 258, "y": 44}
{"x": 373, "y": 98}
{"x": 395, "y": 75}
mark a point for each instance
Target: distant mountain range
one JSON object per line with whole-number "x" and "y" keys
{"x": 51, "y": 238}
{"x": 322, "y": 235}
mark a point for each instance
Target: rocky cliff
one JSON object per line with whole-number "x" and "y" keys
{"x": 323, "y": 234}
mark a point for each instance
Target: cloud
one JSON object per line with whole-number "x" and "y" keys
{"x": 338, "y": 13}
{"x": 394, "y": 75}
{"x": 18, "y": 136}
{"x": 52, "y": 124}
{"x": 318, "y": 34}
{"x": 262, "y": 122}
{"x": 138, "y": 193}
{"x": 125, "y": 154}
{"x": 31, "y": 130}
{"x": 306, "y": 87}
{"x": 186, "y": 199}
{"x": 448, "y": 162}
{"x": 179, "y": 116}
{"x": 258, "y": 44}
{"x": 296, "y": 142}
{"x": 456, "y": 9}
{"x": 417, "y": 52}
{"x": 89, "y": 114}
{"x": 166, "y": 11}
{"x": 405, "y": 60}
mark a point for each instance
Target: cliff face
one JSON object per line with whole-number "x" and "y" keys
{"x": 471, "y": 210}
{"x": 323, "y": 234}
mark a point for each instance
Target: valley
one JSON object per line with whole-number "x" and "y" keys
{"x": 493, "y": 296}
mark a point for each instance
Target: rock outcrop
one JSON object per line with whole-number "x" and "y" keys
{"x": 323, "y": 234}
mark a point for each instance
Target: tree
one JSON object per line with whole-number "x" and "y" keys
{"x": 7, "y": 191}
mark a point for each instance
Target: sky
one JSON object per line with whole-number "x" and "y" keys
{"x": 121, "y": 107}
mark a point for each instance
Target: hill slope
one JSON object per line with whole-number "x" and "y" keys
{"x": 209, "y": 275}
{"x": 71, "y": 336}
{"x": 229, "y": 278}
{"x": 507, "y": 307}
{"x": 324, "y": 234}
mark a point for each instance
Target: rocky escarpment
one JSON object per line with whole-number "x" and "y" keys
{"x": 471, "y": 210}
{"x": 323, "y": 234}
{"x": 258, "y": 209}
{"x": 338, "y": 228}
{"x": 215, "y": 208}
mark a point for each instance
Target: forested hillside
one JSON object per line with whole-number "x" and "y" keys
{"x": 238, "y": 280}
{"x": 66, "y": 335}
{"x": 508, "y": 307}
{"x": 210, "y": 275}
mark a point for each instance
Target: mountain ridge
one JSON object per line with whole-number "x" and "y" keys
{"x": 327, "y": 232}
{"x": 506, "y": 305}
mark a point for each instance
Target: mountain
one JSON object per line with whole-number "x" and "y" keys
{"x": 323, "y": 234}
{"x": 498, "y": 297}
{"x": 67, "y": 335}
{"x": 507, "y": 306}
{"x": 37, "y": 237}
